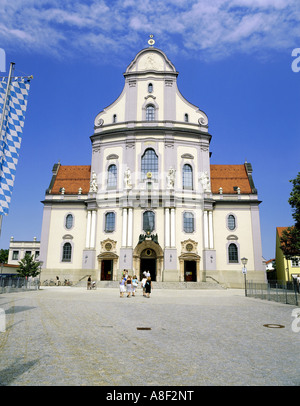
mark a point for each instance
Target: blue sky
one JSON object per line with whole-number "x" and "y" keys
{"x": 234, "y": 60}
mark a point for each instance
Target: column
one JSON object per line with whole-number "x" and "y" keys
{"x": 210, "y": 229}
{"x": 124, "y": 229}
{"x": 130, "y": 227}
{"x": 205, "y": 224}
{"x": 88, "y": 229}
{"x": 173, "y": 231}
{"x": 93, "y": 229}
{"x": 167, "y": 227}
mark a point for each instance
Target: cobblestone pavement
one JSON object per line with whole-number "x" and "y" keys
{"x": 71, "y": 336}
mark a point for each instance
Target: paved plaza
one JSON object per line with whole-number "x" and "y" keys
{"x": 72, "y": 336}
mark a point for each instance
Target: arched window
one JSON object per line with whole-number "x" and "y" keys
{"x": 67, "y": 252}
{"x": 69, "y": 221}
{"x": 231, "y": 222}
{"x": 186, "y": 118}
{"x": 187, "y": 177}
{"x": 150, "y": 164}
{"x": 232, "y": 253}
{"x": 110, "y": 222}
{"x": 148, "y": 221}
{"x": 112, "y": 176}
{"x": 188, "y": 222}
{"x": 150, "y": 113}
{"x": 150, "y": 88}
{"x": 114, "y": 118}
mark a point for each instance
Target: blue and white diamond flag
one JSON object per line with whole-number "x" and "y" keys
{"x": 11, "y": 135}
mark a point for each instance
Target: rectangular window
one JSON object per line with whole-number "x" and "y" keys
{"x": 188, "y": 222}
{"x": 109, "y": 222}
{"x": 295, "y": 262}
{"x": 15, "y": 255}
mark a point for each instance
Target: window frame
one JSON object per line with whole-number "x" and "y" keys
{"x": 150, "y": 115}
{"x": 150, "y": 87}
{"x": 108, "y": 222}
{"x": 66, "y": 221}
{"x": 112, "y": 176}
{"x": 149, "y": 164}
{"x": 228, "y": 217}
{"x": 153, "y": 219}
{"x": 63, "y": 258}
{"x": 235, "y": 260}
{"x": 186, "y": 226}
{"x": 184, "y": 177}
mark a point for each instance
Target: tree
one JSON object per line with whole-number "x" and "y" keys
{"x": 3, "y": 256}
{"x": 28, "y": 266}
{"x": 290, "y": 238}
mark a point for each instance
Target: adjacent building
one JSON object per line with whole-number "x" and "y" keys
{"x": 286, "y": 269}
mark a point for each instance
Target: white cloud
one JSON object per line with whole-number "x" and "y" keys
{"x": 207, "y": 27}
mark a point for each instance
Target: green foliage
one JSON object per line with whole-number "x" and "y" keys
{"x": 290, "y": 239}
{"x": 294, "y": 200}
{"x": 28, "y": 266}
{"x": 3, "y": 256}
{"x": 290, "y": 242}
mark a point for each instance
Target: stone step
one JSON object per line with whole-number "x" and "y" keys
{"x": 161, "y": 285}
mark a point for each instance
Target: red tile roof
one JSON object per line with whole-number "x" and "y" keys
{"x": 225, "y": 176}
{"x": 229, "y": 176}
{"x": 72, "y": 178}
{"x": 280, "y": 230}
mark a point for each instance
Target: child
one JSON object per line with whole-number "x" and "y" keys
{"x": 135, "y": 284}
{"x": 122, "y": 287}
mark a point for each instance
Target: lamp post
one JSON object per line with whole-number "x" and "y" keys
{"x": 41, "y": 264}
{"x": 244, "y": 270}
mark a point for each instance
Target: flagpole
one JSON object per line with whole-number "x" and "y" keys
{"x": 11, "y": 68}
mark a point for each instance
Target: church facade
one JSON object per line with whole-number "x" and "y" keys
{"x": 151, "y": 199}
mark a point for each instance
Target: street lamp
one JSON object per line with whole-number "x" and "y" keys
{"x": 41, "y": 264}
{"x": 244, "y": 270}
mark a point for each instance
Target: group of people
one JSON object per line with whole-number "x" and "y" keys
{"x": 129, "y": 284}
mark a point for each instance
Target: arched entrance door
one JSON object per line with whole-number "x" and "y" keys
{"x": 148, "y": 255}
{"x": 148, "y": 263}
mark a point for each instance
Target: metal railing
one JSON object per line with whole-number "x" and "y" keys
{"x": 15, "y": 283}
{"x": 278, "y": 291}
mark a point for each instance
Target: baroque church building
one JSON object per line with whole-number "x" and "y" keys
{"x": 151, "y": 200}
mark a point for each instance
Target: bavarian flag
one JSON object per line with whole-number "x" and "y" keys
{"x": 13, "y": 104}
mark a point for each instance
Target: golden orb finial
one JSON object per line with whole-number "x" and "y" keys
{"x": 151, "y": 41}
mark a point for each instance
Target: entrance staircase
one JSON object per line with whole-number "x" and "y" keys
{"x": 211, "y": 284}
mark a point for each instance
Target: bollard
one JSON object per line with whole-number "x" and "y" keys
{"x": 2, "y": 321}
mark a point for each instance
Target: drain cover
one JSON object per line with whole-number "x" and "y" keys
{"x": 274, "y": 325}
{"x": 143, "y": 328}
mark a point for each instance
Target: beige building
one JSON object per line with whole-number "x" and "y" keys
{"x": 18, "y": 250}
{"x": 151, "y": 200}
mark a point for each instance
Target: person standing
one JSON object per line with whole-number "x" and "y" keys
{"x": 129, "y": 285}
{"x": 135, "y": 284}
{"x": 89, "y": 283}
{"x": 148, "y": 287}
{"x": 143, "y": 281}
{"x": 122, "y": 287}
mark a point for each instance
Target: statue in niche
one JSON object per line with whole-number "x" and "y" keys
{"x": 93, "y": 183}
{"x": 127, "y": 179}
{"x": 204, "y": 178}
{"x": 171, "y": 178}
